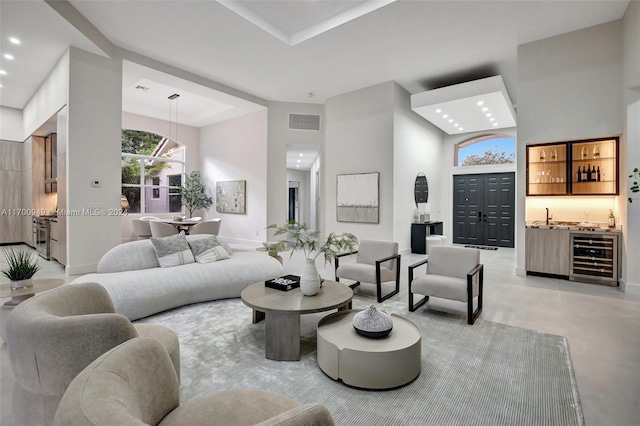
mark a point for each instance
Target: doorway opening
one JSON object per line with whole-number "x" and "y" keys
{"x": 484, "y": 209}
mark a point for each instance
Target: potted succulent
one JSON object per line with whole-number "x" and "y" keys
{"x": 300, "y": 237}
{"x": 21, "y": 266}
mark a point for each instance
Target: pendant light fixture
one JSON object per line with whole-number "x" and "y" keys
{"x": 173, "y": 101}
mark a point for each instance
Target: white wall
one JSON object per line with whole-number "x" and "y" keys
{"x": 314, "y": 205}
{"x": 279, "y": 136}
{"x": 93, "y": 153}
{"x": 236, "y": 150}
{"x": 50, "y": 97}
{"x": 11, "y": 125}
{"x": 417, "y": 147}
{"x": 568, "y": 89}
{"x": 189, "y": 136}
{"x": 359, "y": 139}
{"x": 630, "y": 147}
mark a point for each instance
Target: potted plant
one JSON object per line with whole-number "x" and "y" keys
{"x": 193, "y": 194}
{"x": 21, "y": 266}
{"x": 634, "y": 188}
{"x": 300, "y": 237}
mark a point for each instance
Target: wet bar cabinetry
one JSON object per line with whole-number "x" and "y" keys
{"x": 587, "y": 167}
{"x": 547, "y": 169}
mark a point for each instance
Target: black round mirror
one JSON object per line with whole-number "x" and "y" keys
{"x": 421, "y": 189}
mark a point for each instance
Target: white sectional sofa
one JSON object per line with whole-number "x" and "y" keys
{"x": 139, "y": 287}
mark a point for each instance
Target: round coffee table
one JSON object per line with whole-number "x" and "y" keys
{"x": 281, "y": 311}
{"x": 363, "y": 362}
{"x": 20, "y": 295}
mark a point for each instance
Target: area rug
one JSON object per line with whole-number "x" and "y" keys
{"x": 485, "y": 374}
{"x": 483, "y": 247}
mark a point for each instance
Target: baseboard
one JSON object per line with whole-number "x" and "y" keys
{"x": 80, "y": 269}
{"x": 630, "y": 288}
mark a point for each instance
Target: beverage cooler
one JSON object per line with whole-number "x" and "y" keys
{"x": 594, "y": 258}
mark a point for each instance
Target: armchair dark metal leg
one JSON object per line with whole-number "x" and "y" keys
{"x": 471, "y": 315}
{"x": 413, "y": 307}
{"x": 379, "y": 283}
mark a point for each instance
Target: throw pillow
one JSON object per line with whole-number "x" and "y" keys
{"x": 173, "y": 250}
{"x": 208, "y": 250}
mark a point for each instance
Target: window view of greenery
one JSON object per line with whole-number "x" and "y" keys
{"x": 152, "y": 168}
{"x": 497, "y": 150}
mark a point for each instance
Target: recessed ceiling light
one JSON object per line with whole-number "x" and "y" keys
{"x": 445, "y": 116}
{"x": 0, "y": 85}
{"x": 455, "y": 125}
{"x": 297, "y": 165}
{"x": 8, "y": 56}
{"x": 3, "y": 72}
{"x": 14, "y": 40}
{"x": 480, "y": 102}
{"x": 438, "y": 111}
{"x": 460, "y": 128}
{"x": 299, "y": 161}
{"x": 488, "y": 114}
{"x": 495, "y": 124}
{"x": 492, "y": 119}
{"x": 301, "y": 154}
{"x": 451, "y": 120}
{"x": 485, "y": 109}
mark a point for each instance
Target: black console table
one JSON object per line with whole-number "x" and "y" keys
{"x": 419, "y": 233}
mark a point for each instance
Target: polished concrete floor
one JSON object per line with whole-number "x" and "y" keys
{"x": 601, "y": 323}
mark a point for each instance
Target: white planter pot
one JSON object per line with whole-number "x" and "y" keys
{"x": 310, "y": 279}
{"x": 16, "y": 285}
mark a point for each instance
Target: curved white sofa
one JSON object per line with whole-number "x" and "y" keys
{"x": 139, "y": 287}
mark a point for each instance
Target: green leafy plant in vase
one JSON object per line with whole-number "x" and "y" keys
{"x": 300, "y": 237}
{"x": 634, "y": 187}
{"x": 21, "y": 267}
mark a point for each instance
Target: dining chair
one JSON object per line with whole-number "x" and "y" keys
{"x": 142, "y": 229}
{"x": 149, "y": 218}
{"x": 209, "y": 227}
{"x": 160, "y": 229}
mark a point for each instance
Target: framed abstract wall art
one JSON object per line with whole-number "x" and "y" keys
{"x": 231, "y": 196}
{"x": 357, "y": 197}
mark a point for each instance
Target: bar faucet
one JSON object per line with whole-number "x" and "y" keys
{"x": 547, "y": 209}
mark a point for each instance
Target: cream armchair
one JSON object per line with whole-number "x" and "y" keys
{"x": 376, "y": 262}
{"x": 54, "y": 335}
{"x": 453, "y": 273}
{"x": 134, "y": 384}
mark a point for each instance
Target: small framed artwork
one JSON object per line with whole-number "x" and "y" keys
{"x": 357, "y": 197}
{"x": 231, "y": 196}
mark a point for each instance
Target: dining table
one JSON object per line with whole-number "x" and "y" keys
{"x": 181, "y": 225}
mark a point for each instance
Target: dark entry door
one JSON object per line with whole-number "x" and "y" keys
{"x": 483, "y": 209}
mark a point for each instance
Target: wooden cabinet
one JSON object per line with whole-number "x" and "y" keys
{"x": 419, "y": 233}
{"x": 588, "y": 167}
{"x": 547, "y": 169}
{"x": 547, "y": 251}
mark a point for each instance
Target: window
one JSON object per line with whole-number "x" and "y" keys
{"x": 156, "y": 191}
{"x": 486, "y": 150}
{"x": 148, "y": 160}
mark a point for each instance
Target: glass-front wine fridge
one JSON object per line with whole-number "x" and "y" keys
{"x": 594, "y": 258}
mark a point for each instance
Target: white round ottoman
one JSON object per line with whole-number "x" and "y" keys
{"x": 363, "y": 362}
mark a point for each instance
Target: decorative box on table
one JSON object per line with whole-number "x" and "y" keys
{"x": 284, "y": 283}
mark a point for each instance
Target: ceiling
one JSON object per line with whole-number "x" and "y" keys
{"x": 422, "y": 45}
{"x": 301, "y": 157}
